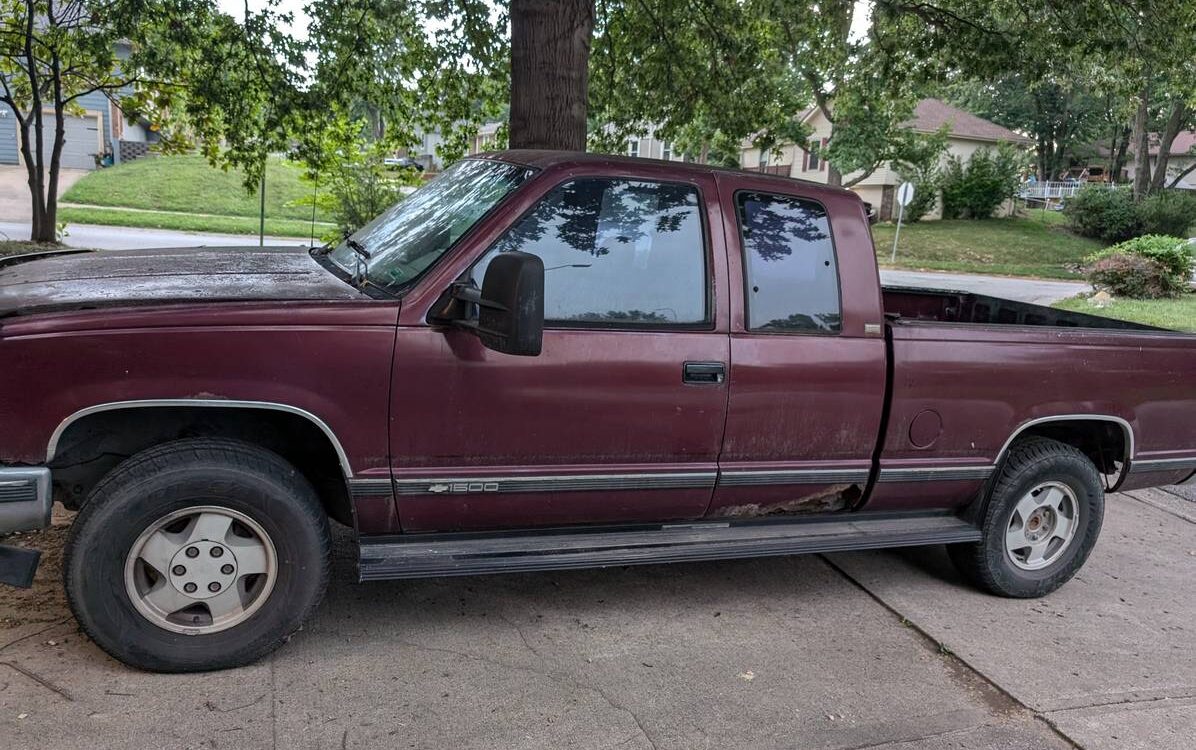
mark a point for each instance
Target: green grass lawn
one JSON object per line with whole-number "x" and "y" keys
{"x": 1178, "y": 314}
{"x": 1021, "y": 246}
{"x": 189, "y": 184}
{"x": 191, "y": 222}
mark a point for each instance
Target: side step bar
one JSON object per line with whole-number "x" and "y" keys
{"x": 424, "y": 556}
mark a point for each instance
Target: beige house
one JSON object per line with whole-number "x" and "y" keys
{"x": 1180, "y": 159}
{"x": 968, "y": 134}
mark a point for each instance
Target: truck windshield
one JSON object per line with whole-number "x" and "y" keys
{"x": 400, "y": 243}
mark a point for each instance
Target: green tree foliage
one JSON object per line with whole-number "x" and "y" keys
{"x": 53, "y": 53}
{"x": 921, "y": 167}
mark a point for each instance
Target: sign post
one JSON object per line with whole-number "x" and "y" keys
{"x": 905, "y": 194}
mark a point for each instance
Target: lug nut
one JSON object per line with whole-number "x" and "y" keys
{"x": 213, "y": 587}
{"x": 226, "y": 569}
{"x": 189, "y": 588}
{"x": 192, "y": 552}
{"x": 217, "y": 551}
{"x": 179, "y": 570}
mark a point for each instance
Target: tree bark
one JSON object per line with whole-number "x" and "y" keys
{"x": 1175, "y": 122}
{"x": 550, "y": 55}
{"x": 1121, "y": 140}
{"x": 1187, "y": 171}
{"x": 1141, "y": 139}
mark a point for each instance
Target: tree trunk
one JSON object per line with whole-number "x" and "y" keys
{"x": 550, "y": 56}
{"x": 1141, "y": 139}
{"x": 1121, "y": 140}
{"x": 1175, "y": 122}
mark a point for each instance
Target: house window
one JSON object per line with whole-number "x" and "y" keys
{"x": 813, "y": 163}
{"x": 666, "y": 150}
{"x": 633, "y": 147}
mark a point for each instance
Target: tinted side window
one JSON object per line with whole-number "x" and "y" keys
{"x": 792, "y": 279}
{"x": 615, "y": 252}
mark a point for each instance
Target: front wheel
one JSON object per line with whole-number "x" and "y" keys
{"x": 198, "y": 554}
{"x": 1042, "y": 520}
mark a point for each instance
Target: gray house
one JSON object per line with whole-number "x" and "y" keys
{"x": 102, "y": 130}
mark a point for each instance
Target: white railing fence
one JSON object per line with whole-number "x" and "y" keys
{"x": 1053, "y": 191}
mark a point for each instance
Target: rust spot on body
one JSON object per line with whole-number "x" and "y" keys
{"x": 834, "y": 498}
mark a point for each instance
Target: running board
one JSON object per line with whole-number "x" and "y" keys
{"x": 471, "y": 554}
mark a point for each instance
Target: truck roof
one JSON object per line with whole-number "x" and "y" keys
{"x": 545, "y": 159}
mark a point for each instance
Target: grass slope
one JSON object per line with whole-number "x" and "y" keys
{"x": 1178, "y": 314}
{"x": 189, "y": 184}
{"x": 1019, "y": 246}
{"x": 189, "y": 222}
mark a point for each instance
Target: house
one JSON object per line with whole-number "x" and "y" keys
{"x": 967, "y": 134}
{"x": 103, "y": 130}
{"x": 1181, "y": 158}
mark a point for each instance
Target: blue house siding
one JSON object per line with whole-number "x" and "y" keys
{"x": 95, "y": 101}
{"x": 8, "y": 136}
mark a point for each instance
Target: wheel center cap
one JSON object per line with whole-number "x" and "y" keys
{"x": 203, "y": 569}
{"x": 1039, "y": 524}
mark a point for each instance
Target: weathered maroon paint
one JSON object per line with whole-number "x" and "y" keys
{"x": 411, "y": 400}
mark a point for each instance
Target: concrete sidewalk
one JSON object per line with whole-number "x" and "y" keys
{"x": 876, "y": 650}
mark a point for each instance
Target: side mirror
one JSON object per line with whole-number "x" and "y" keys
{"x": 511, "y": 310}
{"x": 510, "y": 305}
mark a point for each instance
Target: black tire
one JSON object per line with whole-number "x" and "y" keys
{"x": 172, "y": 477}
{"x": 1032, "y": 462}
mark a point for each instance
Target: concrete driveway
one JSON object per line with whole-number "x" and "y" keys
{"x": 15, "y": 201}
{"x": 868, "y": 650}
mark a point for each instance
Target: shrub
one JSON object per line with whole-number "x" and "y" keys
{"x": 977, "y": 189}
{"x": 1172, "y": 212}
{"x": 1145, "y": 267}
{"x": 1103, "y": 213}
{"x": 926, "y": 189}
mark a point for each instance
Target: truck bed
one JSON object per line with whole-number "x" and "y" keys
{"x": 946, "y": 306}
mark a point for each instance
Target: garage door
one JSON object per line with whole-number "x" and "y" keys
{"x": 82, "y": 140}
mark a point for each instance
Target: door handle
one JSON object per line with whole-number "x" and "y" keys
{"x": 703, "y": 373}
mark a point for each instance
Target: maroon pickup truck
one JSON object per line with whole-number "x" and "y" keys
{"x": 543, "y": 361}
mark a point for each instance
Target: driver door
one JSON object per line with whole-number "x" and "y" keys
{"x": 620, "y": 419}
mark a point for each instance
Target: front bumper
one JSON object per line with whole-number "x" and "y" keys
{"x": 25, "y": 504}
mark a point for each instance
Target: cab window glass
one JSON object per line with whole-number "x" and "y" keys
{"x": 792, "y": 278}
{"x": 616, "y": 252}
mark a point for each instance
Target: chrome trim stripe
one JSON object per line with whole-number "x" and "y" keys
{"x": 1162, "y": 464}
{"x": 936, "y": 474}
{"x": 370, "y": 487}
{"x": 750, "y": 478}
{"x": 52, "y": 448}
{"x": 554, "y": 483}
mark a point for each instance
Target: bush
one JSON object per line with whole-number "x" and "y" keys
{"x": 978, "y": 189}
{"x": 1103, "y": 213}
{"x": 926, "y": 190}
{"x": 1147, "y": 267}
{"x": 1172, "y": 212}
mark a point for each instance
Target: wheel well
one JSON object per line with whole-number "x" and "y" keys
{"x": 1104, "y": 442}
{"x": 94, "y": 444}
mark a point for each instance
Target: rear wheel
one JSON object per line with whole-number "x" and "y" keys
{"x": 1042, "y": 520}
{"x": 198, "y": 554}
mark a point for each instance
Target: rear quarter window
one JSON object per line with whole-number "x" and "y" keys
{"x": 792, "y": 277}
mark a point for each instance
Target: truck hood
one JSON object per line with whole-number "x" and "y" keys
{"x": 104, "y": 278}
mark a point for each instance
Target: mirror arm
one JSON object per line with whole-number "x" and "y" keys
{"x": 468, "y": 293}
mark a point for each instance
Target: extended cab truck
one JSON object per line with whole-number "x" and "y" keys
{"x": 546, "y": 360}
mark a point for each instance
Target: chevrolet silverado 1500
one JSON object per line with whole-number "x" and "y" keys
{"x": 541, "y": 361}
